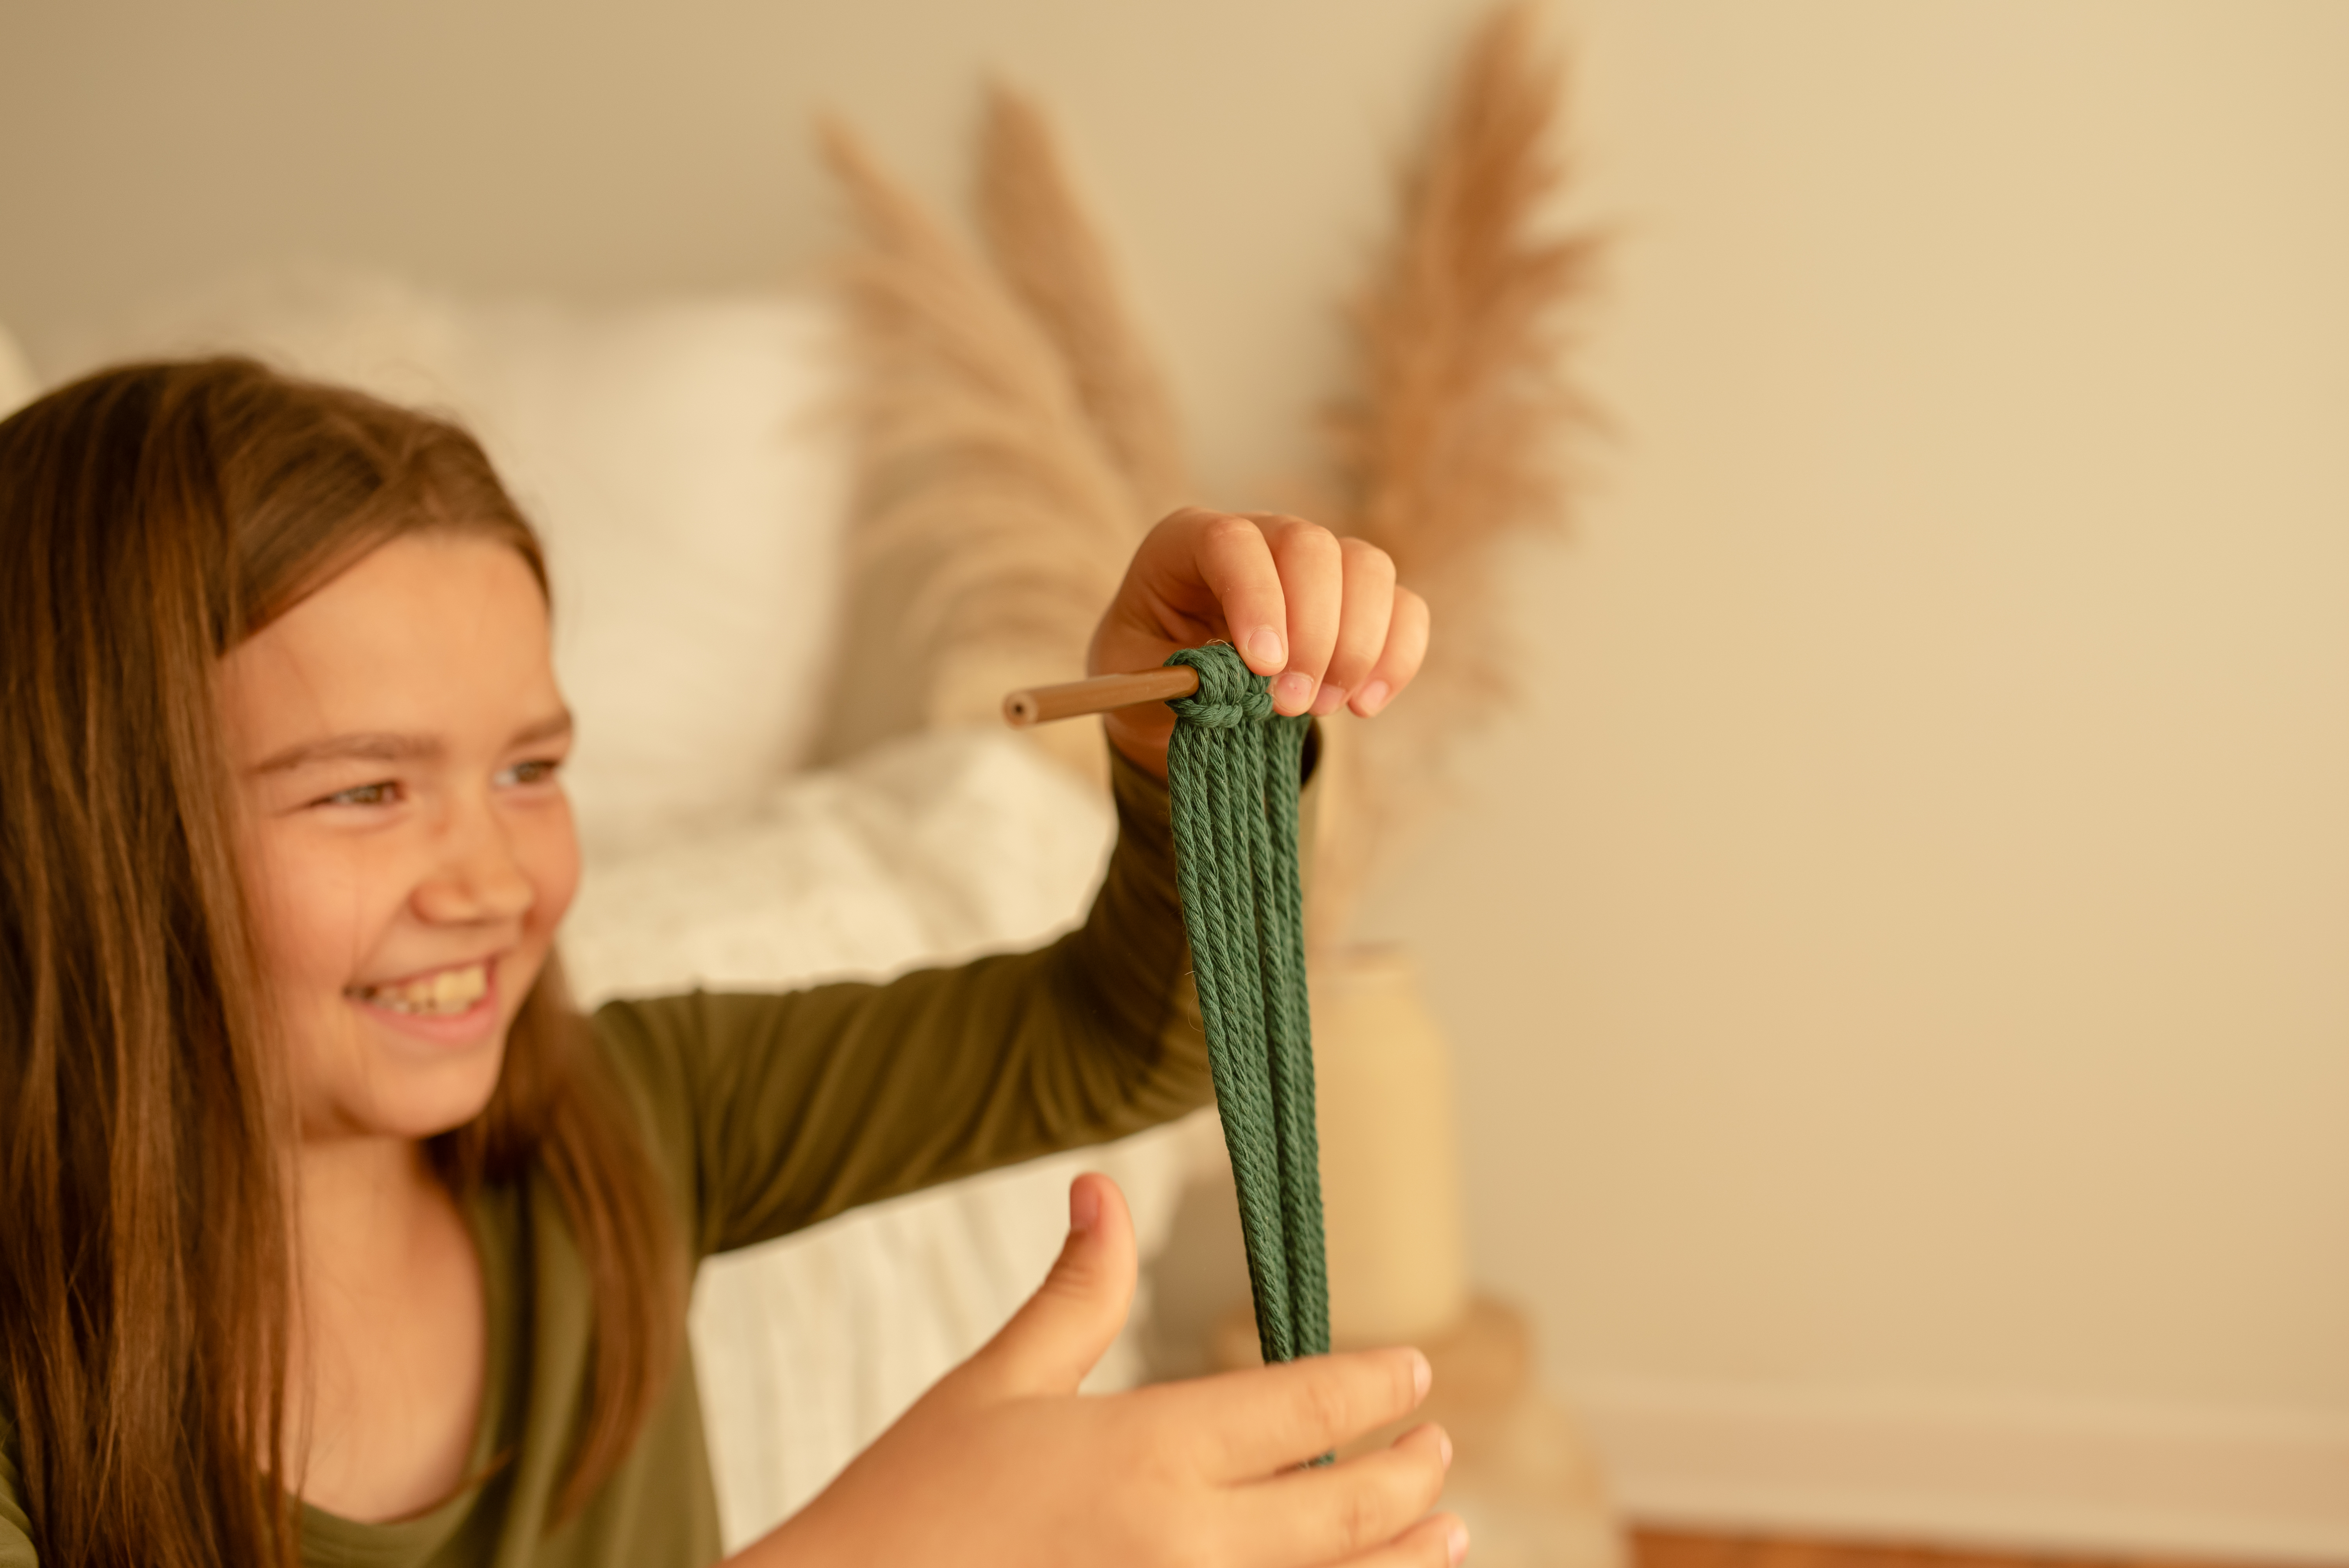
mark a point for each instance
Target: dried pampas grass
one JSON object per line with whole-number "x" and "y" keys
{"x": 1019, "y": 437}
{"x": 1016, "y": 442}
{"x": 1053, "y": 258}
{"x": 1457, "y": 437}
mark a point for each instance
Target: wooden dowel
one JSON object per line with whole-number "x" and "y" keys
{"x": 1042, "y": 705}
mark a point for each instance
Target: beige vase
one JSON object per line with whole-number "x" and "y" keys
{"x": 1390, "y": 1153}
{"x": 1522, "y": 1477}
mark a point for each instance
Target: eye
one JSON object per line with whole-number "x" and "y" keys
{"x": 383, "y": 792}
{"x": 537, "y": 771}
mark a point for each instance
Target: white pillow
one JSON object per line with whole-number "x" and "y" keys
{"x": 680, "y": 459}
{"x": 17, "y": 384}
{"x": 929, "y": 848}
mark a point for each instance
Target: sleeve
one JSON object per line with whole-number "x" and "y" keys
{"x": 768, "y": 1113}
{"x": 15, "y": 1528}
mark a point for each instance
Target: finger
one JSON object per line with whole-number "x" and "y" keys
{"x": 1439, "y": 1541}
{"x": 1400, "y": 660}
{"x": 1333, "y": 1512}
{"x": 1312, "y": 586}
{"x": 1267, "y": 1419}
{"x": 1368, "y": 608}
{"x": 1232, "y": 557}
{"x": 1053, "y": 1340}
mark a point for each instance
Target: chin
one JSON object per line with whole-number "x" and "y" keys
{"x": 378, "y": 1087}
{"x": 416, "y": 1103}
{"x": 442, "y": 1108}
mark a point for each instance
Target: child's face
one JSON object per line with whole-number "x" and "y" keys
{"x": 408, "y": 844}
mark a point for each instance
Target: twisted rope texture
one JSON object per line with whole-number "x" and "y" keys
{"x": 1231, "y": 769}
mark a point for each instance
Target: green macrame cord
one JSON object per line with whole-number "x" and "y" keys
{"x": 1232, "y": 769}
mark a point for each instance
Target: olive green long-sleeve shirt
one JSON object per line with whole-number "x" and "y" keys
{"x": 764, "y": 1114}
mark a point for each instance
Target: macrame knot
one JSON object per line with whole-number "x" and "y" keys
{"x": 1229, "y": 692}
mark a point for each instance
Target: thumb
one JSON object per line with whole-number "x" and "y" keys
{"x": 1053, "y": 1340}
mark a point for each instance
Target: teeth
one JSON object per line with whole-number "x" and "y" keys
{"x": 451, "y": 991}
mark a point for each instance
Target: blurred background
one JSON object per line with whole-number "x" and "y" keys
{"x": 1898, "y": 959}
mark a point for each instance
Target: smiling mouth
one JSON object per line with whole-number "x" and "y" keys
{"x": 450, "y": 992}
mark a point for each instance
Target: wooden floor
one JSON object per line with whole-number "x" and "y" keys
{"x": 1673, "y": 1549}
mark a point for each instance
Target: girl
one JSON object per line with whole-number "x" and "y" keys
{"x": 329, "y": 1234}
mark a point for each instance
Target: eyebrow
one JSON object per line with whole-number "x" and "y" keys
{"x": 389, "y": 746}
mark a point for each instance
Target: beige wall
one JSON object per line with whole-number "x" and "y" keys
{"x": 1900, "y": 965}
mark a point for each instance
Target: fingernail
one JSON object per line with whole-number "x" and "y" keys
{"x": 1371, "y": 698}
{"x": 1084, "y": 1207}
{"x": 1422, "y": 1375}
{"x": 1331, "y": 699}
{"x": 1443, "y": 1441}
{"x": 1293, "y": 691}
{"x": 1267, "y": 647}
{"x": 1456, "y": 1543}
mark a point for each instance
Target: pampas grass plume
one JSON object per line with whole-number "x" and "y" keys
{"x": 1456, "y": 434}
{"x": 1004, "y": 445}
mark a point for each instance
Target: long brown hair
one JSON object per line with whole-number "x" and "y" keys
{"x": 151, "y": 517}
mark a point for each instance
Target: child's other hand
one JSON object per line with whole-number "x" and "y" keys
{"x": 1003, "y": 1462}
{"x": 1321, "y": 615}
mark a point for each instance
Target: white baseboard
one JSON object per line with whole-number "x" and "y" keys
{"x": 2018, "y": 1474}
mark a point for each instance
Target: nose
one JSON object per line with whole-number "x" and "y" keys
{"x": 477, "y": 879}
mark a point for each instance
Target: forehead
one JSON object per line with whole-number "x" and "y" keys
{"x": 435, "y": 632}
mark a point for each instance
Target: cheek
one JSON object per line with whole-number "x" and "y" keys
{"x": 318, "y": 909}
{"x": 549, "y": 851}
{"x": 546, "y": 850}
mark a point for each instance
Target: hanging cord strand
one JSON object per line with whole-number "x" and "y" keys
{"x": 1209, "y": 864}
{"x": 1236, "y": 779}
{"x": 1232, "y": 772}
{"x": 1288, "y": 1028}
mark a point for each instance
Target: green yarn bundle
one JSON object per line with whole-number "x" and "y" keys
{"x": 1232, "y": 769}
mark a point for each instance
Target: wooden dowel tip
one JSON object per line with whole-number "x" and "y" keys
{"x": 1042, "y": 705}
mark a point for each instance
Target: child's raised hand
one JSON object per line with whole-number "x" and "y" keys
{"x": 1321, "y": 615}
{"x": 1003, "y": 1462}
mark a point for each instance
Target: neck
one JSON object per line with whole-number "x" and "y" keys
{"x": 365, "y": 1208}
{"x": 387, "y": 1357}
{"x": 359, "y": 1198}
